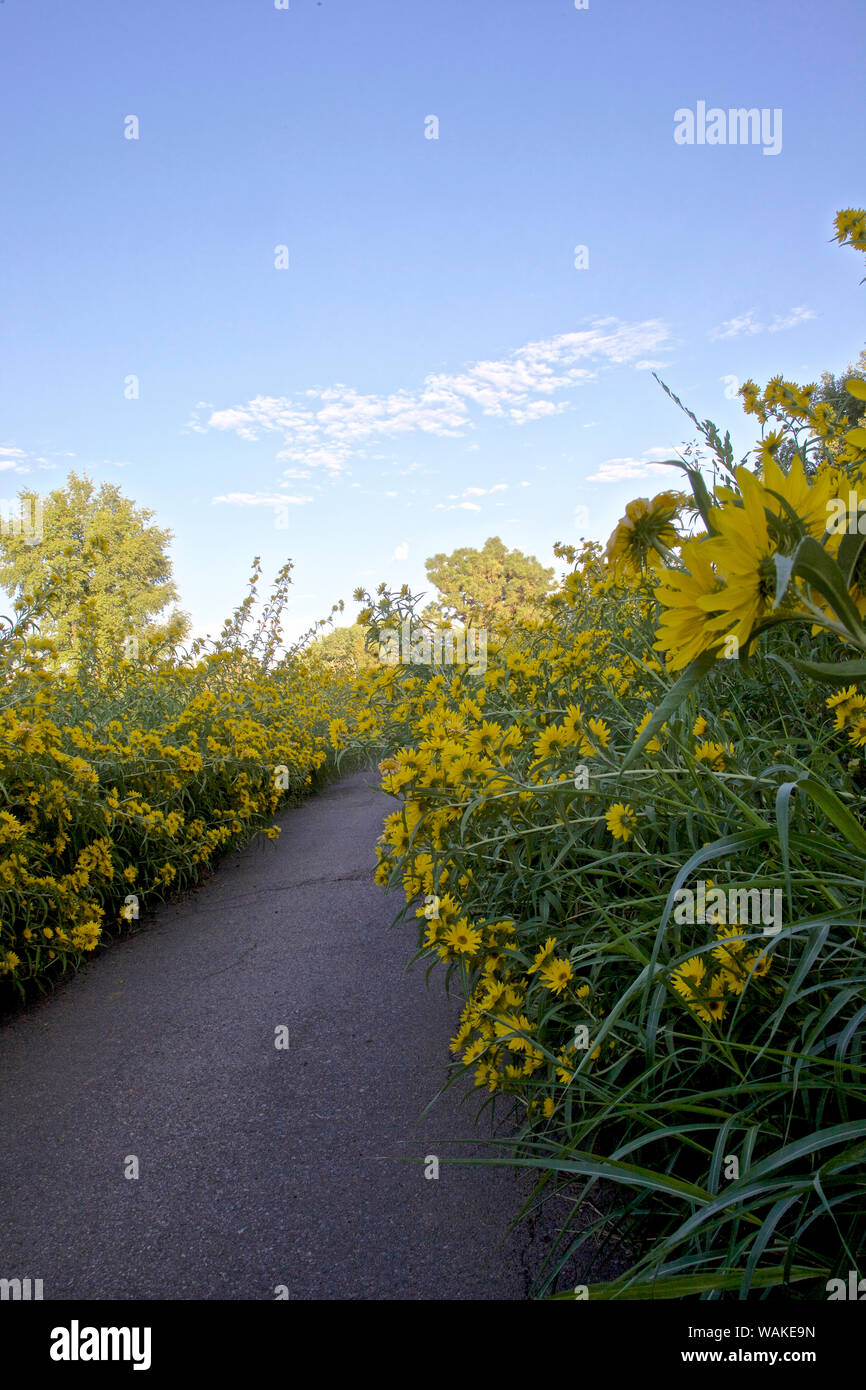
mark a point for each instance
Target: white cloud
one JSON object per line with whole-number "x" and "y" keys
{"x": 478, "y": 491}
{"x": 13, "y": 459}
{"x": 194, "y": 423}
{"x": 261, "y": 499}
{"x": 327, "y": 425}
{"x": 401, "y": 552}
{"x": 21, "y": 461}
{"x": 799, "y": 314}
{"x": 733, "y": 328}
{"x": 748, "y": 324}
{"x": 333, "y": 460}
{"x": 618, "y": 470}
{"x": 539, "y": 408}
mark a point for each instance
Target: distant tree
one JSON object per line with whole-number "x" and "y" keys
{"x": 493, "y": 587}
{"x": 342, "y": 650}
{"x": 101, "y": 570}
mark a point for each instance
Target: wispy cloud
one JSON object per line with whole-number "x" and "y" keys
{"x": 15, "y": 460}
{"x": 325, "y": 426}
{"x": 537, "y": 409}
{"x": 736, "y": 327}
{"x": 748, "y": 325}
{"x": 261, "y": 499}
{"x": 618, "y": 470}
{"x": 799, "y": 314}
{"x": 457, "y": 501}
{"x": 478, "y": 491}
{"x": 401, "y": 552}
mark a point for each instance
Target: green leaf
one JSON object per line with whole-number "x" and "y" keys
{"x": 783, "y": 799}
{"x": 832, "y": 807}
{"x": 692, "y": 675}
{"x": 700, "y": 492}
{"x": 591, "y": 1166}
{"x": 762, "y": 1239}
{"x": 805, "y": 1147}
{"x": 721, "y": 848}
{"x": 815, "y": 566}
{"x": 850, "y": 547}
{"x": 687, "y": 1285}
{"x": 838, "y": 672}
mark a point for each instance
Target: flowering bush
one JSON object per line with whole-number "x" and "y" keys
{"x": 553, "y": 811}
{"x": 120, "y": 789}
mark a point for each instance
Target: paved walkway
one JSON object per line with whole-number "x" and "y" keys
{"x": 258, "y": 1167}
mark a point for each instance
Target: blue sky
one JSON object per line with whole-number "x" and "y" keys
{"x": 431, "y": 368}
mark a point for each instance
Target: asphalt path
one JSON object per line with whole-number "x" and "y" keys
{"x": 263, "y": 1171}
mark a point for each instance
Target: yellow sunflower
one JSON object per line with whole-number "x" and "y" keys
{"x": 645, "y": 532}
{"x": 684, "y": 631}
{"x": 556, "y": 974}
{"x": 621, "y": 821}
{"x": 742, "y": 550}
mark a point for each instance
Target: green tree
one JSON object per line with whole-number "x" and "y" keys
{"x": 831, "y": 391}
{"x": 92, "y": 560}
{"x": 342, "y": 651}
{"x": 493, "y": 587}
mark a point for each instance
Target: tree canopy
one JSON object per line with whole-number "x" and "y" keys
{"x": 493, "y": 587}
{"x": 99, "y": 568}
{"x": 342, "y": 650}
